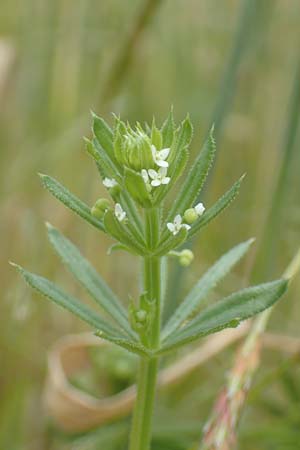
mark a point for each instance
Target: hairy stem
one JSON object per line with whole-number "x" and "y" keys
{"x": 142, "y": 417}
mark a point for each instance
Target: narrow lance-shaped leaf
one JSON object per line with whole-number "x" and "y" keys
{"x": 131, "y": 346}
{"x": 104, "y": 135}
{"x": 217, "y": 208}
{"x": 131, "y": 210}
{"x": 121, "y": 234}
{"x": 167, "y": 130}
{"x": 178, "y": 158}
{"x": 105, "y": 165}
{"x": 89, "y": 278}
{"x": 227, "y": 313}
{"x": 183, "y": 139}
{"x": 136, "y": 187}
{"x": 194, "y": 180}
{"x": 70, "y": 200}
{"x": 202, "y": 288}
{"x": 67, "y": 301}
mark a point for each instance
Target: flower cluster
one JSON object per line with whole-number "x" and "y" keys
{"x": 144, "y": 155}
{"x": 155, "y": 178}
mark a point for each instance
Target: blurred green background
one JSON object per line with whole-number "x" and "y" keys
{"x": 235, "y": 63}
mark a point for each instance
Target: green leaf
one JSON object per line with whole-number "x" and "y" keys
{"x": 171, "y": 243}
{"x": 206, "y": 283}
{"x": 132, "y": 212}
{"x": 168, "y": 130}
{"x": 217, "y": 208}
{"x": 105, "y": 166}
{"x": 228, "y": 312}
{"x": 156, "y": 136}
{"x": 136, "y": 187}
{"x": 104, "y": 135}
{"x": 70, "y": 200}
{"x": 89, "y": 278}
{"x": 194, "y": 180}
{"x": 183, "y": 139}
{"x": 120, "y": 247}
{"x": 118, "y": 231}
{"x": 67, "y": 301}
{"x": 177, "y": 160}
{"x": 131, "y": 346}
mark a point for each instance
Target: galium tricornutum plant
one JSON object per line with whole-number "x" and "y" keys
{"x": 139, "y": 166}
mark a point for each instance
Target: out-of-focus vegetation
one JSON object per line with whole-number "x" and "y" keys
{"x": 235, "y": 63}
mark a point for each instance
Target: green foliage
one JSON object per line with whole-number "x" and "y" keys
{"x": 126, "y": 159}
{"x": 70, "y": 200}
{"x": 227, "y": 313}
{"x": 195, "y": 179}
{"x": 217, "y": 208}
{"x": 139, "y": 167}
{"x": 202, "y": 288}
{"x": 89, "y": 278}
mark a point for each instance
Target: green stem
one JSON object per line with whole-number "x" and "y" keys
{"x": 142, "y": 417}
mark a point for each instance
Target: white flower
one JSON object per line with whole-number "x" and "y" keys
{"x": 159, "y": 177}
{"x": 176, "y": 226}
{"x": 146, "y": 179}
{"x": 145, "y": 175}
{"x": 119, "y": 212}
{"x": 160, "y": 156}
{"x": 200, "y": 208}
{"x": 109, "y": 182}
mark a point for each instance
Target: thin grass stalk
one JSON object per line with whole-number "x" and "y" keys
{"x": 273, "y": 223}
{"x": 220, "y": 430}
{"x": 123, "y": 59}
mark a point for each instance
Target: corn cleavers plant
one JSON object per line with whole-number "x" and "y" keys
{"x": 139, "y": 166}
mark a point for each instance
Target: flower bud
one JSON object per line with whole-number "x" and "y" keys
{"x": 141, "y": 316}
{"x": 186, "y": 257}
{"x": 190, "y": 216}
{"x": 134, "y": 149}
{"x": 99, "y": 208}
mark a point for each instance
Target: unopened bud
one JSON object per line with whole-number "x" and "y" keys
{"x": 141, "y": 316}
{"x": 134, "y": 149}
{"x": 186, "y": 257}
{"x": 99, "y": 208}
{"x": 190, "y": 216}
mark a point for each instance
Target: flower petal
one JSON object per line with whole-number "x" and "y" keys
{"x": 109, "y": 182}
{"x": 200, "y": 208}
{"x": 162, "y": 172}
{"x": 164, "y": 153}
{"x": 171, "y": 227}
{"x": 156, "y": 183}
{"x": 161, "y": 163}
{"x": 145, "y": 175}
{"x": 153, "y": 174}
{"x": 177, "y": 220}
{"x": 166, "y": 180}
